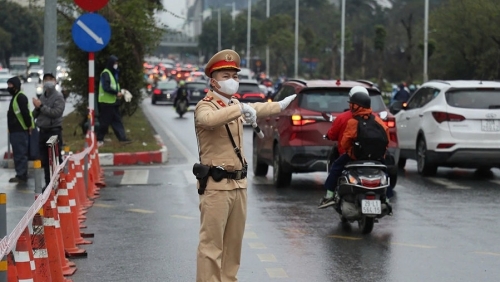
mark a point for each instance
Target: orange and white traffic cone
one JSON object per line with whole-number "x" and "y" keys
{"x": 80, "y": 186}
{"x": 68, "y": 267}
{"x": 74, "y": 214}
{"x": 42, "y": 265}
{"x": 11, "y": 269}
{"x": 53, "y": 249}
{"x": 66, "y": 220}
{"x": 22, "y": 255}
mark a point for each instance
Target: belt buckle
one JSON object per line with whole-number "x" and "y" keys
{"x": 238, "y": 175}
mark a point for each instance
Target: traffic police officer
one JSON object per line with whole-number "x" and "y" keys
{"x": 223, "y": 205}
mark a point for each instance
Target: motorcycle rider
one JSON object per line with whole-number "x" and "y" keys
{"x": 182, "y": 93}
{"x": 359, "y": 105}
{"x": 335, "y": 133}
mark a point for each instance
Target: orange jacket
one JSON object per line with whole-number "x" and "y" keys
{"x": 351, "y": 131}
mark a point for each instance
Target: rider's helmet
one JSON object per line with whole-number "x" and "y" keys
{"x": 182, "y": 83}
{"x": 361, "y": 99}
{"x": 358, "y": 89}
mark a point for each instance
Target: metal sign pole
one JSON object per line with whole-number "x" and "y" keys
{"x": 91, "y": 90}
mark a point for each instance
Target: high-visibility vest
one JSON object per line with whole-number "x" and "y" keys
{"x": 105, "y": 97}
{"x": 19, "y": 115}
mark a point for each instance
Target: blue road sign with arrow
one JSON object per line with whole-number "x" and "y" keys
{"x": 91, "y": 32}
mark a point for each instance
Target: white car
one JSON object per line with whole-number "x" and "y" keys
{"x": 3, "y": 85}
{"x": 452, "y": 124}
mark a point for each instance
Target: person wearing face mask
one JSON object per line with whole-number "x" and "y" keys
{"x": 48, "y": 113}
{"x": 223, "y": 196}
{"x": 110, "y": 95}
{"x": 20, "y": 123}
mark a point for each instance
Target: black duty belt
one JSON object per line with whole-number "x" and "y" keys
{"x": 49, "y": 130}
{"x": 219, "y": 174}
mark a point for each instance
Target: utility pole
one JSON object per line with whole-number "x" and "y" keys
{"x": 249, "y": 31}
{"x": 296, "y": 70}
{"x": 219, "y": 32}
{"x": 50, "y": 37}
{"x": 342, "y": 42}
{"x": 268, "y": 68}
{"x": 426, "y": 40}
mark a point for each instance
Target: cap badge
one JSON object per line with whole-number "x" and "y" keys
{"x": 229, "y": 58}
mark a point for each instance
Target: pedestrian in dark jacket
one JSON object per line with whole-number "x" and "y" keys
{"x": 48, "y": 112}
{"x": 402, "y": 95}
{"x": 110, "y": 95}
{"x": 20, "y": 123}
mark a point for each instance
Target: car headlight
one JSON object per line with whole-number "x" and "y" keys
{"x": 39, "y": 90}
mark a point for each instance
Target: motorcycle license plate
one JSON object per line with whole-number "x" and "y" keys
{"x": 371, "y": 207}
{"x": 196, "y": 93}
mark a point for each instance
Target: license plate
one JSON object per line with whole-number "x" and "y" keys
{"x": 490, "y": 125}
{"x": 196, "y": 93}
{"x": 371, "y": 207}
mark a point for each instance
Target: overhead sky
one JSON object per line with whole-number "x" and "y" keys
{"x": 178, "y": 7}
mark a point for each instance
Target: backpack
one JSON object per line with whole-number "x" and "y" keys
{"x": 371, "y": 141}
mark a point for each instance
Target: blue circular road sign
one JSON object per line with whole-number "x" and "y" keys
{"x": 91, "y": 32}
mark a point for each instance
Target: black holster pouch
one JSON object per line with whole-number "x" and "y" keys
{"x": 217, "y": 174}
{"x": 202, "y": 172}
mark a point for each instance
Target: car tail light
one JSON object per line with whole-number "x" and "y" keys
{"x": 205, "y": 90}
{"x": 157, "y": 92}
{"x": 443, "y": 116}
{"x": 393, "y": 137}
{"x": 390, "y": 122}
{"x": 370, "y": 197}
{"x": 298, "y": 120}
{"x": 186, "y": 74}
{"x": 237, "y": 96}
{"x": 445, "y": 145}
{"x": 173, "y": 72}
{"x": 260, "y": 95}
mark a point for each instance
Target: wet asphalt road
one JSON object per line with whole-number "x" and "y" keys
{"x": 146, "y": 223}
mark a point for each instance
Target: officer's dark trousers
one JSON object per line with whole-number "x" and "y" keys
{"x": 19, "y": 142}
{"x": 45, "y": 135}
{"x": 109, "y": 114}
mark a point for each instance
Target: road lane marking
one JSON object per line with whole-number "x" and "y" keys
{"x": 447, "y": 183}
{"x": 276, "y": 273}
{"x": 344, "y": 237}
{"x": 135, "y": 177}
{"x": 487, "y": 253}
{"x": 182, "y": 216}
{"x": 140, "y": 211}
{"x": 257, "y": 245}
{"x": 190, "y": 178}
{"x": 267, "y": 258}
{"x": 497, "y": 182}
{"x": 414, "y": 245}
{"x": 250, "y": 235}
{"x": 103, "y": 206}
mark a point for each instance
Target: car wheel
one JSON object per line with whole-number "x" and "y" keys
{"x": 401, "y": 163}
{"x": 259, "y": 168}
{"x": 484, "y": 171}
{"x": 281, "y": 178}
{"x": 153, "y": 101}
{"x": 425, "y": 168}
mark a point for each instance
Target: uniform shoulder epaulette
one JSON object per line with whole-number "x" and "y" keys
{"x": 208, "y": 98}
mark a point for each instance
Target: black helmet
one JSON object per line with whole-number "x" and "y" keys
{"x": 361, "y": 99}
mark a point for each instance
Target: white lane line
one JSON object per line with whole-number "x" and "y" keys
{"x": 250, "y": 235}
{"x": 497, "y": 182}
{"x": 276, "y": 273}
{"x": 257, "y": 245}
{"x": 190, "y": 178}
{"x": 447, "y": 183}
{"x": 267, "y": 258}
{"x": 182, "y": 216}
{"x": 135, "y": 177}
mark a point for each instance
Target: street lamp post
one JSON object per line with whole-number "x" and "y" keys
{"x": 268, "y": 12}
{"x": 296, "y": 70}
{"x": 342, "y": 42}
{"x": 219, "y": 32}
{"x": 426, "y": 40}
{"x": 249, "y": 30}
{"x": 233, "y": 15}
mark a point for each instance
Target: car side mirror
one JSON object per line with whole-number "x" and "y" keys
{"x": 397, "y": 106}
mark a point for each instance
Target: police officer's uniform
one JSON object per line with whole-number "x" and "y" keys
{"x": 223, "y": 205}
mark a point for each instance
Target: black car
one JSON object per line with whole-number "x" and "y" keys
{"x": 196, "y": 90}
{"x": 250, "y": 92}
{"x": 164, "y": 92}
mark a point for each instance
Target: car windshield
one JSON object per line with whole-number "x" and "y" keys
{"x": 249, "y": 88}
{"x": 17, "y": 67}
{"x": 474, "y": 99}
{"x": 168, "y": 85}
{"x": 195, "y": 86}
{"x": 334, "y": 100}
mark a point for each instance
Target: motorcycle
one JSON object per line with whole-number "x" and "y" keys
{"x": 361, "y": 193}
{"x": 181, "y": 107}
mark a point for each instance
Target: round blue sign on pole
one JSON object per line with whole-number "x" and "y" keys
{"x": 91, "y": 32}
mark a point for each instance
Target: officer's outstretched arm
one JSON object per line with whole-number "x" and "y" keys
{"x": 207, "y": 116}
{"x": 266, "y": 109}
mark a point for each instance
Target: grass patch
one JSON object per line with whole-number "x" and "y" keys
{"x": 137, "y": 128}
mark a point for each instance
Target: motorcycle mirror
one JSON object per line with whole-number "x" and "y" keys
{"x": 383, "y": 115}
{"x": 327, "y": 116}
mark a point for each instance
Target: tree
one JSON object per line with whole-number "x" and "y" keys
{"x": 134, "y": 34}
{"x": 22, "y": 25}
{"x": 5, "y": 45}
{"x": 208, "y": 40}
{"x": 379, "y": 45}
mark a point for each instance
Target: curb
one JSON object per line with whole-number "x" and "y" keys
{"x": 117, "y": 159}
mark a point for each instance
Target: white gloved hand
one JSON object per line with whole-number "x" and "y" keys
{"x": 126, "y": 95}
{"x": 249, "y": 113}
{"x": 285, "y": 102}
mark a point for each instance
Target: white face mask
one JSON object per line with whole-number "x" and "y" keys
{"x": 115, "y": 66}
{"x": 229, "y": 86}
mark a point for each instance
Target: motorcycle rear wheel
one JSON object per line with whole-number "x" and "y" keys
{"x": 366, "y": 224}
